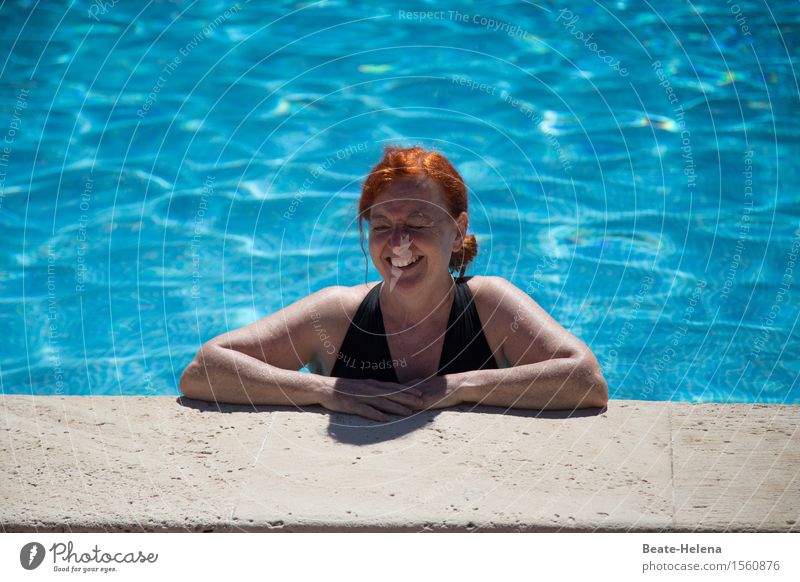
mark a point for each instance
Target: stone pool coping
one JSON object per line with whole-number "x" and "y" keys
{"x": 160, "y": 463}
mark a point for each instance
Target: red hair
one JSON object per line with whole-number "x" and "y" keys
{"x": 415, "y": 162}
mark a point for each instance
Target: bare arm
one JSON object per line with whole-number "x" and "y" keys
{"x": 220, "y": 374}
{"x": 259, "y": 363}
{"x": 551, "y": 368}
{"x": 562, "y": 383}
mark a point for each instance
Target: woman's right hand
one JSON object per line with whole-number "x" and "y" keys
{"x": 369, "y": 398}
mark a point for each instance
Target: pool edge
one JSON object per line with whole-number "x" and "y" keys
{"x": 158, "y": 463}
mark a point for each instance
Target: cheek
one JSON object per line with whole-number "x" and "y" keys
{"x": 375, "y": 248}
{"x": 427, "y": 236}
{"x": 433, "y": 242}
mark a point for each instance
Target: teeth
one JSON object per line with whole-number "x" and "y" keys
{"x": 404, "y": 262}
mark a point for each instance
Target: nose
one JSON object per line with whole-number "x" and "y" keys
{"x": 398, "y": 232}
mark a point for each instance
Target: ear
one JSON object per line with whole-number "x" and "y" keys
{"x": 462, "y": 222}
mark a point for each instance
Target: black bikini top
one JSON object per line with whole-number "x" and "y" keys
{"x": 365, "y": 351}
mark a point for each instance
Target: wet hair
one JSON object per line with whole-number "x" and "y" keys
{"x": 415, "y": 162}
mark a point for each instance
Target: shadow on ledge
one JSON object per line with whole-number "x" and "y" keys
{"x": 357, "y": 430}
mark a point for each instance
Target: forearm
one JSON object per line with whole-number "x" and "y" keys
{"x": 221, "y": 375}
{"x": 558, "y": 384}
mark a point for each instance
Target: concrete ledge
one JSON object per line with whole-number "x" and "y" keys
{"x": 93, "y": 464}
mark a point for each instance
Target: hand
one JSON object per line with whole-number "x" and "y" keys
{"x": 370, "y": 398}
{"x": 437, "y": 392}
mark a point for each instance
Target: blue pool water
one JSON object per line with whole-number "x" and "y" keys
{"x": 170, "y": 171}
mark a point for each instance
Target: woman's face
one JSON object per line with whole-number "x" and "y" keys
{"x": 409, "y": 222}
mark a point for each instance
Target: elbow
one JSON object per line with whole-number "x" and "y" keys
{"x": 188, "y": 382}
{"x": 195, "y": 382}
{"x": 594, "y": 387}
{"x": 599, "y": 390}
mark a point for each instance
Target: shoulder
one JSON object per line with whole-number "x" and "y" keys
{"x": 337, "y": 305}
{"x": 337, "y": 301}
{"x": 493, "y": 292}
{"x": 529, "y": 333}
{"x": 496, "y": 298}
{"x": 488, "y": 298}
{"x": 356, "y": 293}
{"x": 332, "y": 310}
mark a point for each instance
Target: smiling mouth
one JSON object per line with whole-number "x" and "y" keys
{"x": 404, "y": 263}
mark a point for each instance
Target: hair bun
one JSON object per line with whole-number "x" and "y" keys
{"x": 469, "y": 249}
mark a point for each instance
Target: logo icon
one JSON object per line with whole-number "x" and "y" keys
{"x": 31, "y": 555}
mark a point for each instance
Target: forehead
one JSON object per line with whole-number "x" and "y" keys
{"x": 409, "y": 196}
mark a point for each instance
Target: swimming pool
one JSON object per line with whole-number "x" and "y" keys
{"x": 174, "y": 171}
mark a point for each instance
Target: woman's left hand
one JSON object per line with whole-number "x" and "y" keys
{"x": 437, "y": 392}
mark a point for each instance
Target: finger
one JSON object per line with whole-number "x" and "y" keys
{"x": 394, "y": 388}
{"x": 409, "y": 400}
{"x": 408, "y": 396}
{"x": 415, "y": 391}
{"x": 391, "y": 406}
{"x": 369, "y": 412}
{"x": 412, "y": 388}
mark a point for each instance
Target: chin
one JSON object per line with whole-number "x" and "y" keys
{"x": 402, "y": 282}
{"x": 405, "y": 279}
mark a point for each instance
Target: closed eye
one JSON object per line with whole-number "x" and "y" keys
{"x": 382, "y": 228}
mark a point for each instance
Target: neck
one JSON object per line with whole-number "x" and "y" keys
{"x": 411, "y": 308}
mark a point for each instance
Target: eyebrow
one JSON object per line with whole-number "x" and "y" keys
{"x": 416, "y": 214}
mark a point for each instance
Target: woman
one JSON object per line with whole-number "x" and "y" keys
{"x": 417, "y": 339}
